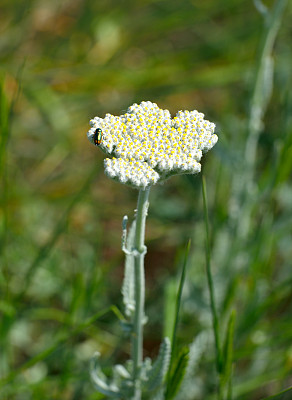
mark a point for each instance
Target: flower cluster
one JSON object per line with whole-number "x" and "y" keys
{"x": 148, "y": 146}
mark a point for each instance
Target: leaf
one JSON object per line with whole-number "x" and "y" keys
{"x": 100, "y": 381}
{"x": 228, "y": 353}
{"x": 177, "y": 308}
{"x": 177, "y": 373}
{"x": 157, "y": 373}
{"x": 5, "y": 109}
{"x": 210, "y": 283}
{"x": 281, "y": 395}
{"x": 189, "y": 387}
{"x": 170, "y": 294}
{"x": 178, "y": 299}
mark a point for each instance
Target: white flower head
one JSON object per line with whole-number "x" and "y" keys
{"x": 147, "y": 146}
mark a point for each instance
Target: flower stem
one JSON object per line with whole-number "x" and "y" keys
{"x": 138, "y": 319}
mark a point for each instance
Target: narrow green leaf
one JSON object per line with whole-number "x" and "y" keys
{"x": 228, "y": 353}
{"x": 178, "y": 370}
{"x": 4, "y": 133}
{"x": 177, "y": 308}
{"x": 281, "y": 395}
{"x": 189, "y": 385}
{"x": 210, "y": 283}
{"x": 170, "y": 293}
{"x": 6, "y": 114}
{"x": 178, "y": 301}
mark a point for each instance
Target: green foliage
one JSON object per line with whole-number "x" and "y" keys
{"x": 284, "y": 394}
{"x": 190, "y": 384}
{"x": 228, "y": 356}
{"x": 178, "y": 301}
{"x": 178, "y": 364}
{"x": 60, "y": 256}
{"x": 178, "y": 369}
{"x": 4, "y": 125}
{"x": 219, "y": 356}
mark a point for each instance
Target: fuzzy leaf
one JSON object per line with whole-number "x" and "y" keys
{"x": 100, "y": 381}
{"x": 156, "y": 374}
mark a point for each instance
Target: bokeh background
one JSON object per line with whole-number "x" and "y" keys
{"x": 64, "y": 62}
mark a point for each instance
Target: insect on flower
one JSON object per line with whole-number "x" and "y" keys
{"x": 146, "y": 145}
{"x": 97, "y": 136}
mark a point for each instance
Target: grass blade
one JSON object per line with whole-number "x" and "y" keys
{"x": 281, "y": 395}
{"x": 210, "y": 283}
{"x": 228, "y": 355}
{"x": 178, "y": 370}
{"x": 178, "y": 299}
{"x": 177, "y": 308}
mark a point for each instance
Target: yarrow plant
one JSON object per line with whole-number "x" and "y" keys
{"x": 145, "y": 146}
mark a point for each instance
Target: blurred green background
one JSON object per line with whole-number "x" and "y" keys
{"x": 61, "y": 64}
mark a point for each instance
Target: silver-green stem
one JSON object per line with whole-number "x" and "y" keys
{"x": 138, "y": 320}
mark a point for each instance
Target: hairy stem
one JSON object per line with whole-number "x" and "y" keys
{"x": 138, "y": 319}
